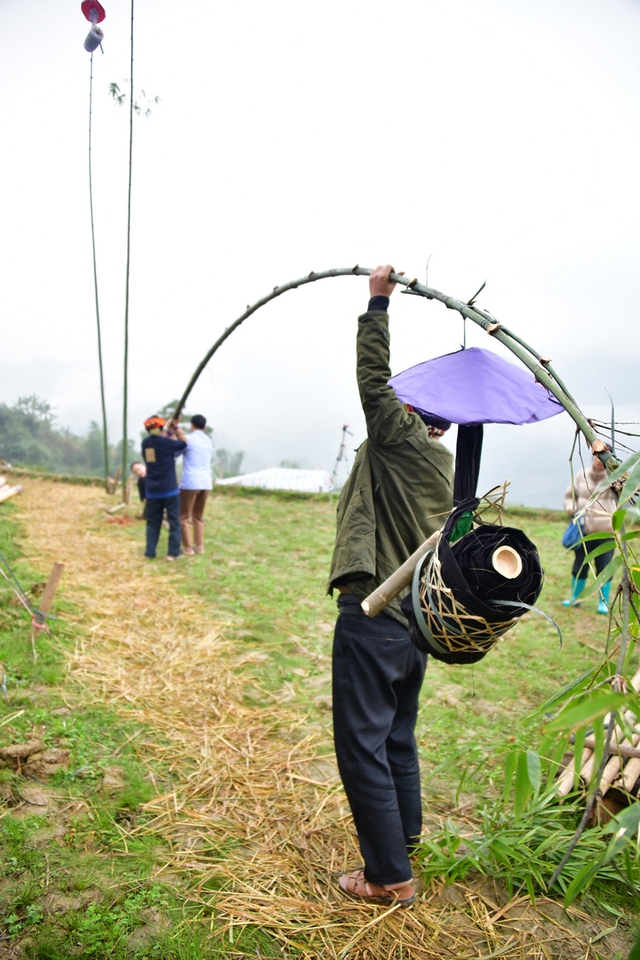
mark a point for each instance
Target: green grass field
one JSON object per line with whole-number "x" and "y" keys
{"x": 266, "y": 567}
{"x": 80, "y": 891}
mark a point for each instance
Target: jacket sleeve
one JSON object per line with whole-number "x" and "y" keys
{"x": 180, "y": 446}
{"x": 387, "y": 420}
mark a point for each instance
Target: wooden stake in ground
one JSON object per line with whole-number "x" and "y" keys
{"x": 45, "y": 604}
{"x": 112, "y": 482}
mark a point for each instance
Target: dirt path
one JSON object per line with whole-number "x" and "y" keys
{"x": 256, "y": 821}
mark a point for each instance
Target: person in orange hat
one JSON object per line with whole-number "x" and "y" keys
{"x": 159, "y": 452}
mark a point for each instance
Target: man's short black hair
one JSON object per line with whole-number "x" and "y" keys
{"x": 199, "y": 422}
{"x": 438, "y": 422}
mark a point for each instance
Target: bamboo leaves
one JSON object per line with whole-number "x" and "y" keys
{"x": 523, "y": 788}
{"x": 595, "y": 704}
{"x": 624, "y": 828}
{"x": 522, "y": 854}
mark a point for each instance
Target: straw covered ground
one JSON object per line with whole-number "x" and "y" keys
{"x": 253, "y": 814}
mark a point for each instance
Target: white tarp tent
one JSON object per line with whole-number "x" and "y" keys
{"x": 282, "y": 478}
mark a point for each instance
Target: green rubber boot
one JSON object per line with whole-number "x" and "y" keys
{"x": 605, "y": 590}
{"x": 577, "y": 586}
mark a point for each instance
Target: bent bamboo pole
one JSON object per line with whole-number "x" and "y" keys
{"x": 540, "y": 367}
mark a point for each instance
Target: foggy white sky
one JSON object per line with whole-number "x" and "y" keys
{"x": 501, "y": 137}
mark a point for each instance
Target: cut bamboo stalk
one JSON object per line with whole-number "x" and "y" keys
{"x": 630, "y": 774}
{"x": 586, "y": 772}
{"x": 566, "y": 778}
{"x": 398, "y": 580}
{"x": 619, "y": 752}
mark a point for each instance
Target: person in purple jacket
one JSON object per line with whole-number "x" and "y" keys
{"x": 159, "y": 452}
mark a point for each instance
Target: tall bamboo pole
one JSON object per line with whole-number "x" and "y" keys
{"x": 125, "y": 388}
{"x": 105, "y": 441}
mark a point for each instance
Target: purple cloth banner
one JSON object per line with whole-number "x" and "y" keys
{"x": 475, "y": 386}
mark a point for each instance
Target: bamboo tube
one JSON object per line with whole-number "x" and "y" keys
{"x": 566, "y": 778}
{"x": 507, "y": 562}
{"x": 619, "y": 750}
{"x": 586, "y": 771}
{"x": 629, "y": 776}
{"x": 398, "y": 580}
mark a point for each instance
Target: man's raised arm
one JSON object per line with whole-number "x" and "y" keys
{"x": 387, "y": 420}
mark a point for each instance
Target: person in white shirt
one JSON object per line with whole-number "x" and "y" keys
{"x": 195, "y": 485}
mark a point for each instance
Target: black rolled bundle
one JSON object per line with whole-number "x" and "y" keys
{"x": 468, "y": 593}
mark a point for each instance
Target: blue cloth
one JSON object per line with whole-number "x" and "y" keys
{"x": 159, "y": 454}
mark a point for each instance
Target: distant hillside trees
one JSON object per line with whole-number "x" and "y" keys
{"x": 227, "y": 464}
{"x": 28, "y": 438}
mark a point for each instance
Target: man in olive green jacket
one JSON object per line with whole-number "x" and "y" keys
{"x": 398, "y": 494}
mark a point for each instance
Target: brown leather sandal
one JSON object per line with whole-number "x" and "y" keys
{"x": 356, "y": 886}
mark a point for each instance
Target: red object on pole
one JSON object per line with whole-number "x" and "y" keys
{"x": 92, "y": 6}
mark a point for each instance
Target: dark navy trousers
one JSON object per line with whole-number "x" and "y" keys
{"x": 377, "y": 675}
{"x": 580, "y": 567}
{"x": 154, "y": 512}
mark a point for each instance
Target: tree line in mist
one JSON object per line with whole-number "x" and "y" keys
{"x": 30, "y": 438}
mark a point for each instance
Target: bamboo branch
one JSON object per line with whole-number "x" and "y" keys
{"x": 623, "y": 748}
{"x": 276, "y": 292}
